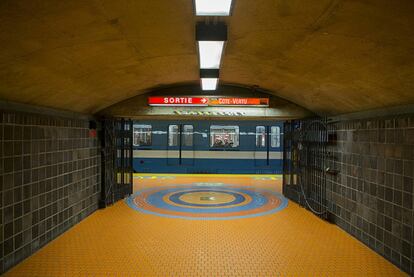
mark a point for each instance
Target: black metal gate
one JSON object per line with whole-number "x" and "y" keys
{"x": 291, "y": 160}
{"x": 116, "y": 159}
{"x": 305, "y": 164}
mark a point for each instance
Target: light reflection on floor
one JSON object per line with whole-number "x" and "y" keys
{"x": 121, "y": 241}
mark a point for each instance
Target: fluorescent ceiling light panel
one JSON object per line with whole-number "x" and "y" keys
{"x": 209, "y": 83}
{"x": 210, "y": 54}
{"x": 213, "y": 7}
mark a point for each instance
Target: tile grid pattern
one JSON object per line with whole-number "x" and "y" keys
{"x": 120, "y": 241}
{"x": 49, "y": 180}
{"x": 372, "y": 196}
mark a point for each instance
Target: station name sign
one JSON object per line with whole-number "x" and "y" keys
{"x": 190, "y": 101}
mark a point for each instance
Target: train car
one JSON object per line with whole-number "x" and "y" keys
{"x": 208, "y": 147}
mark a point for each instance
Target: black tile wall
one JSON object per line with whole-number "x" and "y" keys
{"x": 372, "y": 196}
{"x": 49, "y": 180}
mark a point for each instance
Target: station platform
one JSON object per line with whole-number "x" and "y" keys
{"x": 205, "y": 225}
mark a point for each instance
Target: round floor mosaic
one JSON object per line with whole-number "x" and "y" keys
{"x": 207, "y": 202}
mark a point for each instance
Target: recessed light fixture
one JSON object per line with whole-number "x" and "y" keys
{"x": 210, "y": 53}
{"x": 209, "y": 78}
{"x": 213, "y": 7}
{"x": 209, "y": 83}
{"x": 210, "y": 39}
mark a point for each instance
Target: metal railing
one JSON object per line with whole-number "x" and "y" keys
{"x": 116, "y": 160}
{"x": 306, "y": 164}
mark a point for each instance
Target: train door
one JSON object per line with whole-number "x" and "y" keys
{"x": 261, "y": 153}
{"x": 180, "y": 145}
{"x": 187, "y": 144}
{"x": 173, "y": 144}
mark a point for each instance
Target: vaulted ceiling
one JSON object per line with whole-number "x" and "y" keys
{"x": 330, "y": 56}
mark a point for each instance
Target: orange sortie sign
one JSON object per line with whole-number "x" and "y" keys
{"x": 238, "y": 101}
{"x": 206, "y": 101}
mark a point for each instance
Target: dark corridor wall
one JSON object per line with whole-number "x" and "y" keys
{"x": 372, "y": 196}
{"x": 370, "y": 193}
{"x": 49, "y": 180}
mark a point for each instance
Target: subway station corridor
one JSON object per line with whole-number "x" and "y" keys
{"x": 206, "y": 138}
{"x": 259, "y": 241}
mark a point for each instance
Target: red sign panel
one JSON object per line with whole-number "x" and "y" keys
{"x": 206, "y": 101}
{"x": 177, "y": 101}
{"x": 233, "y": 101}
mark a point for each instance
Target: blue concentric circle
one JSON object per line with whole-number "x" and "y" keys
{"x": 156, "y": 199}
{"x": 238, "y": 198}
{"x": 169, "y": 202}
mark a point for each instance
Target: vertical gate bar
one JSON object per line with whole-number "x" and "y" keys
{"x": 321, "y": 161}
{"x": 322, "y": 164}
{"x": 103, "y": 169}
{"x": 284, "y": 162}
{"x": 318, "y": 157}
{"x": 325, "y": 163}
{"x": 304, "y": 165}
{"x": 318, "y": 134}
{"x": 113, "y": 160}
{"x": 267, "y": 144}
{"x": 291, "y": 171}
{"x": 314, "y": 145}
{"x": 309, "y": 168}
{"x": 312, "y": 169}
{"x": 315, "y": 165}
{"x": 119, "y": 147}
{"x": 180, "y": 133}
{"x": 292, "y": 157}
{"x": 325, "y": 150}
{"x": 323, "y": 158}
{"x": 288, "y": 140}
{"x": 131, "y": 160}
{"x": 122, "y": 138}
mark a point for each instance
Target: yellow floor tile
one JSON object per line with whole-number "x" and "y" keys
{"x": 120, "y": 241}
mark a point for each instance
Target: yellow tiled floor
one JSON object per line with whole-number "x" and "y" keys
{"x": 120, "y": 241}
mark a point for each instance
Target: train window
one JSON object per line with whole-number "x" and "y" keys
{"x": 260, "y": 136}
{"x": 224, "y": 136}
{"x": 142, "y": 135}
{"x": 275, "y": 136}
{"x": 188, "y": 131}
{"x": 173, "y": 135}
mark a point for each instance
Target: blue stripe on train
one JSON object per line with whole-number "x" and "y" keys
{"x": 238, "y": 166}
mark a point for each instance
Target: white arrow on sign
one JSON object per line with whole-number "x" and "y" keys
{"x": 204, "y": 100}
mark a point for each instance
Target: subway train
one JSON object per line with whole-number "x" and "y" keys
{"x": 244, "y": 147}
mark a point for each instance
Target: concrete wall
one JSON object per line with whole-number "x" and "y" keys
{"x": 372, "y": 196}
{"x": 49, "y": 180}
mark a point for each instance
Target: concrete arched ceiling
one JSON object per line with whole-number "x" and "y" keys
{"x": 330, "y": 56}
